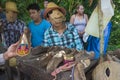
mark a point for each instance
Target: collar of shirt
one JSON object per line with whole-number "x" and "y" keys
{"x": 12, "y": 22}
{"x": 65, "y": 31}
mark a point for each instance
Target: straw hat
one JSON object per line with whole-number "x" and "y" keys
{"x": 11, "y": 6}
{"x": 51, "y": 6}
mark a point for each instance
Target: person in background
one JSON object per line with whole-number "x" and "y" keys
{"x": 42, "y": 10}
{"x": 37, "y": 26}
{"x": 79, "y": 19}
{"x": 60, "y": 33}
{"x": 2, "y": 14}
{"x": 11, "y": 27}
{"x": 11, "y": 52}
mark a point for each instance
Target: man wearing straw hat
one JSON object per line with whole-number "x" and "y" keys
{"x": 60, "y": 33}
{"x": 12, "y": 28}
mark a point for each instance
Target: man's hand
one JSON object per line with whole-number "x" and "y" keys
{"x": 11, "y": 52}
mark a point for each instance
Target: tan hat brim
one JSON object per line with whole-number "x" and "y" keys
{"x": 50, "y": 9}
{"x": 12, "y": 10}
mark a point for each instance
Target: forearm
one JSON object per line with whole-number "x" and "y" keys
{"x": 2, "y": 59}
{"x": 5, "y": 56}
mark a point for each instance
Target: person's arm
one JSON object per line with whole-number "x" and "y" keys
{"x": 11, "y": 52}
{"x": 2, "y": 60}
{"x": 77, "y": 40}
{"x": 86, "y": 17}
{"x": 72, "y": 19}
{"x": 46, "y": 40}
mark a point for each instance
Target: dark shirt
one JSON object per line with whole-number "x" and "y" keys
{"x": 2, "y": 15}
{"x": 42, "y": 13}
{"x": 12, "y": 31}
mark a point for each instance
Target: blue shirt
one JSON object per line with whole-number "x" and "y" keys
{"x": 37, "y": 32}
{"x": 70, "y": 38}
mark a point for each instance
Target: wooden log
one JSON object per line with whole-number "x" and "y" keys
{"x": 115, "y": 59}
{"x": 108, "y": 70}
{"x": 46, "y": 60}
{"x": 89, "y": 70}
{"x": 54, "y": 62}
{"x": 79, "y": 72}
{"x": 109, "y": 58}
{"x": 115, "y": 53}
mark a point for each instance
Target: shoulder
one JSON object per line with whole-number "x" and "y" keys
{"x": 86, "y": 16}
{"x": 30, "y": 23}
{"x": 72, "y": 19}
{"x": 70, "y": 26}
{"x": 47, "y": 23}
{"x": 42, "y": 10}
{"x": 48, "y": 32}
{"x": 73, "y": 16}
{"x": 20, "y": 22}
{"x": 3, "y": 20}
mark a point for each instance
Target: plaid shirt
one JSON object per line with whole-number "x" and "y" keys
{"x": 12, "y": 31}
{"x": 69, "y": 38}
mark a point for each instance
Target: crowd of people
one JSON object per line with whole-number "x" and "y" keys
{"x": 47, "y": 28}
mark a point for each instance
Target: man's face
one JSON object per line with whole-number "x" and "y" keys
{"x": 56, "y": 17}
{"x": 45, "y": 3}
{"x": 34, "y": 14}
{"x": 11, "y": 15}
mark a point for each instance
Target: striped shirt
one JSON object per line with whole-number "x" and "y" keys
{"x": 69, "y": 38}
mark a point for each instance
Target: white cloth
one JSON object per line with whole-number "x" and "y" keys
{"x": 2, "y": 60}
{"x": 85, "y": 37}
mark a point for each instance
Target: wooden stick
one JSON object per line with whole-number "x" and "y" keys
{"x": 100, "y": 22}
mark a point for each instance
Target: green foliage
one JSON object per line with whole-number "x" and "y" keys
{"x": 114, "y": 42}
{"x": 22, "y": 5}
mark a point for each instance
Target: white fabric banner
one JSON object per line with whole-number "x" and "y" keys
{"x": 92, "y": 27}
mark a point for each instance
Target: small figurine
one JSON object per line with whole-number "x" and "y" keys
{"x": 24, "y": 46}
